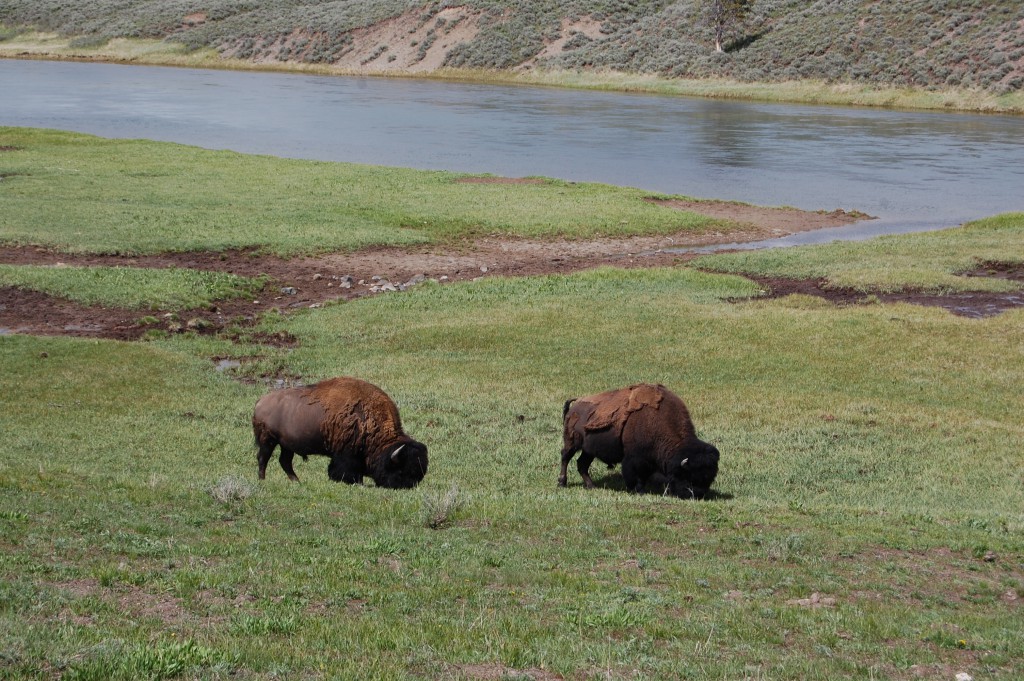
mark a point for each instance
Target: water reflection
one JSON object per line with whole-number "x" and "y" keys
{"x": 724, "y": 138}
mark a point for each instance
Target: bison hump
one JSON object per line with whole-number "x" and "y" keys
{"x": 357, "y": 413}
{"x": 614, "y": 407}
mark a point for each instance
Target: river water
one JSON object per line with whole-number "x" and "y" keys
{"x": 912, "y": 170}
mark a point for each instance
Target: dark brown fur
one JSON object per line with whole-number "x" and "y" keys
{"x": 353, "y": 422}
{"x": 647, "y": 429}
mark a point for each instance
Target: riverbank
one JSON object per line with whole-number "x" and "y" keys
{"x": 162, "y": 53}
{"x": 211, "y": 259}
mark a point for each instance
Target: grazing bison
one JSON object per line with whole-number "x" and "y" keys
{"x": 648, "y": 430}
{"x": 352, "y": 421}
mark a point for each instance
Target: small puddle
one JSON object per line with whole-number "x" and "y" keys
{"x": 857, "y": 231}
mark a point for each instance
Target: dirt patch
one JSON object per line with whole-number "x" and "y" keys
{"x": 32, "y": 312}
{"x": 488, "y": 179}
{"x": 314, "y": 281}
{"x": 194, "y": 19}
{"x": 814, "y": 601}
{"x": 304, "y": 282}
{"x": 771, "y": 221}
{"x": 499, "y": 671}
{"x": 942, "y": 572}
{"x": 972, "y": 304}
{"x": 413, "y": 42}
{"x": 131, "y": 599}
{"x": 571, "y": 29}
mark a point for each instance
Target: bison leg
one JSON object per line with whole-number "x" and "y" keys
{"x": 568, "y": 452}
{"x": 661, "y": 484}
{"x": 263, "y": 456}
{"x": 583, "y": 466}
{"x": 341, "y": 469}
{"x": 638, "y": 472}
{"x": 686, "y": 490}
{"x": 634, "y": 477}
{"x": 286, "y": 463}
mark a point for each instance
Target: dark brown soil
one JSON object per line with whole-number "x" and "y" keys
{"x": 300, "y": 282}
{"x": 971, "y": 304}
{"x": 305, "y": 282}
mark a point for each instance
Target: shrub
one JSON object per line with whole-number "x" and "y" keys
{"x": 439, "y": 507}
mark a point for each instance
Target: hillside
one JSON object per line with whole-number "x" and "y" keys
{"x": 920, "y": 43}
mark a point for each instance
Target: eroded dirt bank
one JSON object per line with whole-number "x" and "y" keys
{"x": 306, "y": 282}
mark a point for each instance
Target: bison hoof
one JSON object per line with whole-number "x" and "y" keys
{"x": 562, "y": 482}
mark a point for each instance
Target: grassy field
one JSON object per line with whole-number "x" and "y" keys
{"x": 79, "y": 193}
{"x": 867, "y": 522}
{"x": 928, "y": 261}
{"x": 132, "y": 287}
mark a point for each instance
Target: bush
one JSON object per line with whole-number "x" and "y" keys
{"x": 852, "y": 40}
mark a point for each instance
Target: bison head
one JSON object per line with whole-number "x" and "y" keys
{"x": 696, "y": 471}
{"x": 401, "y": 465}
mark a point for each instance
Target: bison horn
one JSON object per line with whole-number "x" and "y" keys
{"x": 394, "y": 454}
{"x": 682, "y": 464}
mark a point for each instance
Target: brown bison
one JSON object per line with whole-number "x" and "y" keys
{"x": 648, "y": 430}
{"x": 352, "y": 421}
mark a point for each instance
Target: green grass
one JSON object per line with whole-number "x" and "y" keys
{"x": 929, "y": 261}
{"x": 79, "y": 193}
{"x": 870, "y": 454}
{"x": 170, "y": 288}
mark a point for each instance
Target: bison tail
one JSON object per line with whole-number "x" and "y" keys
{"x": 259, "y": 432}
{"x": 565, "y": 407}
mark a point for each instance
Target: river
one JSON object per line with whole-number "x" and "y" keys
{"x": 912, "y": 170}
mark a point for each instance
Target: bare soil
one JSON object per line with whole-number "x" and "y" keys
{"x": 312, "y": 281}
{"x": 973, "y": 304}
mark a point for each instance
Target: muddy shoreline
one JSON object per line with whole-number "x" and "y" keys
{"x": 314, "y": 281}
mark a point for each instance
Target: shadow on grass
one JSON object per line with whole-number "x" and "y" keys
{"x": 613, "y": 481}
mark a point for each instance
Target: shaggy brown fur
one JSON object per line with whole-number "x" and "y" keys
{"x": 358, "y": 415}
{"x": 612, "y": 408}
{"x": 647, "y": 429}
{"x": 352, "y": 421}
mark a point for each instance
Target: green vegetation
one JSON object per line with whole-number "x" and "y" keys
{"x": 870, "y": 456}
{"x": 929, "y": 261}
{"x": 868, "y": 517}
{"x": 80, "y": 193}
{"x": 170, "y": 288}
{"x": 868, "y": 522}
{"x": 933, "y": 46}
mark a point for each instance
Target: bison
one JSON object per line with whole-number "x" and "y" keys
{"x": 352, "y": 421}
{"x": 648, "y": 430}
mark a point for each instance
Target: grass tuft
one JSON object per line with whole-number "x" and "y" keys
{"x": 152, "y": 662}
{"x": 231, "y": 490}
{"x": 439, "y": 508}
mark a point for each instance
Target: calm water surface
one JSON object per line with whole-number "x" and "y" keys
{"x": 913, "y": 170}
